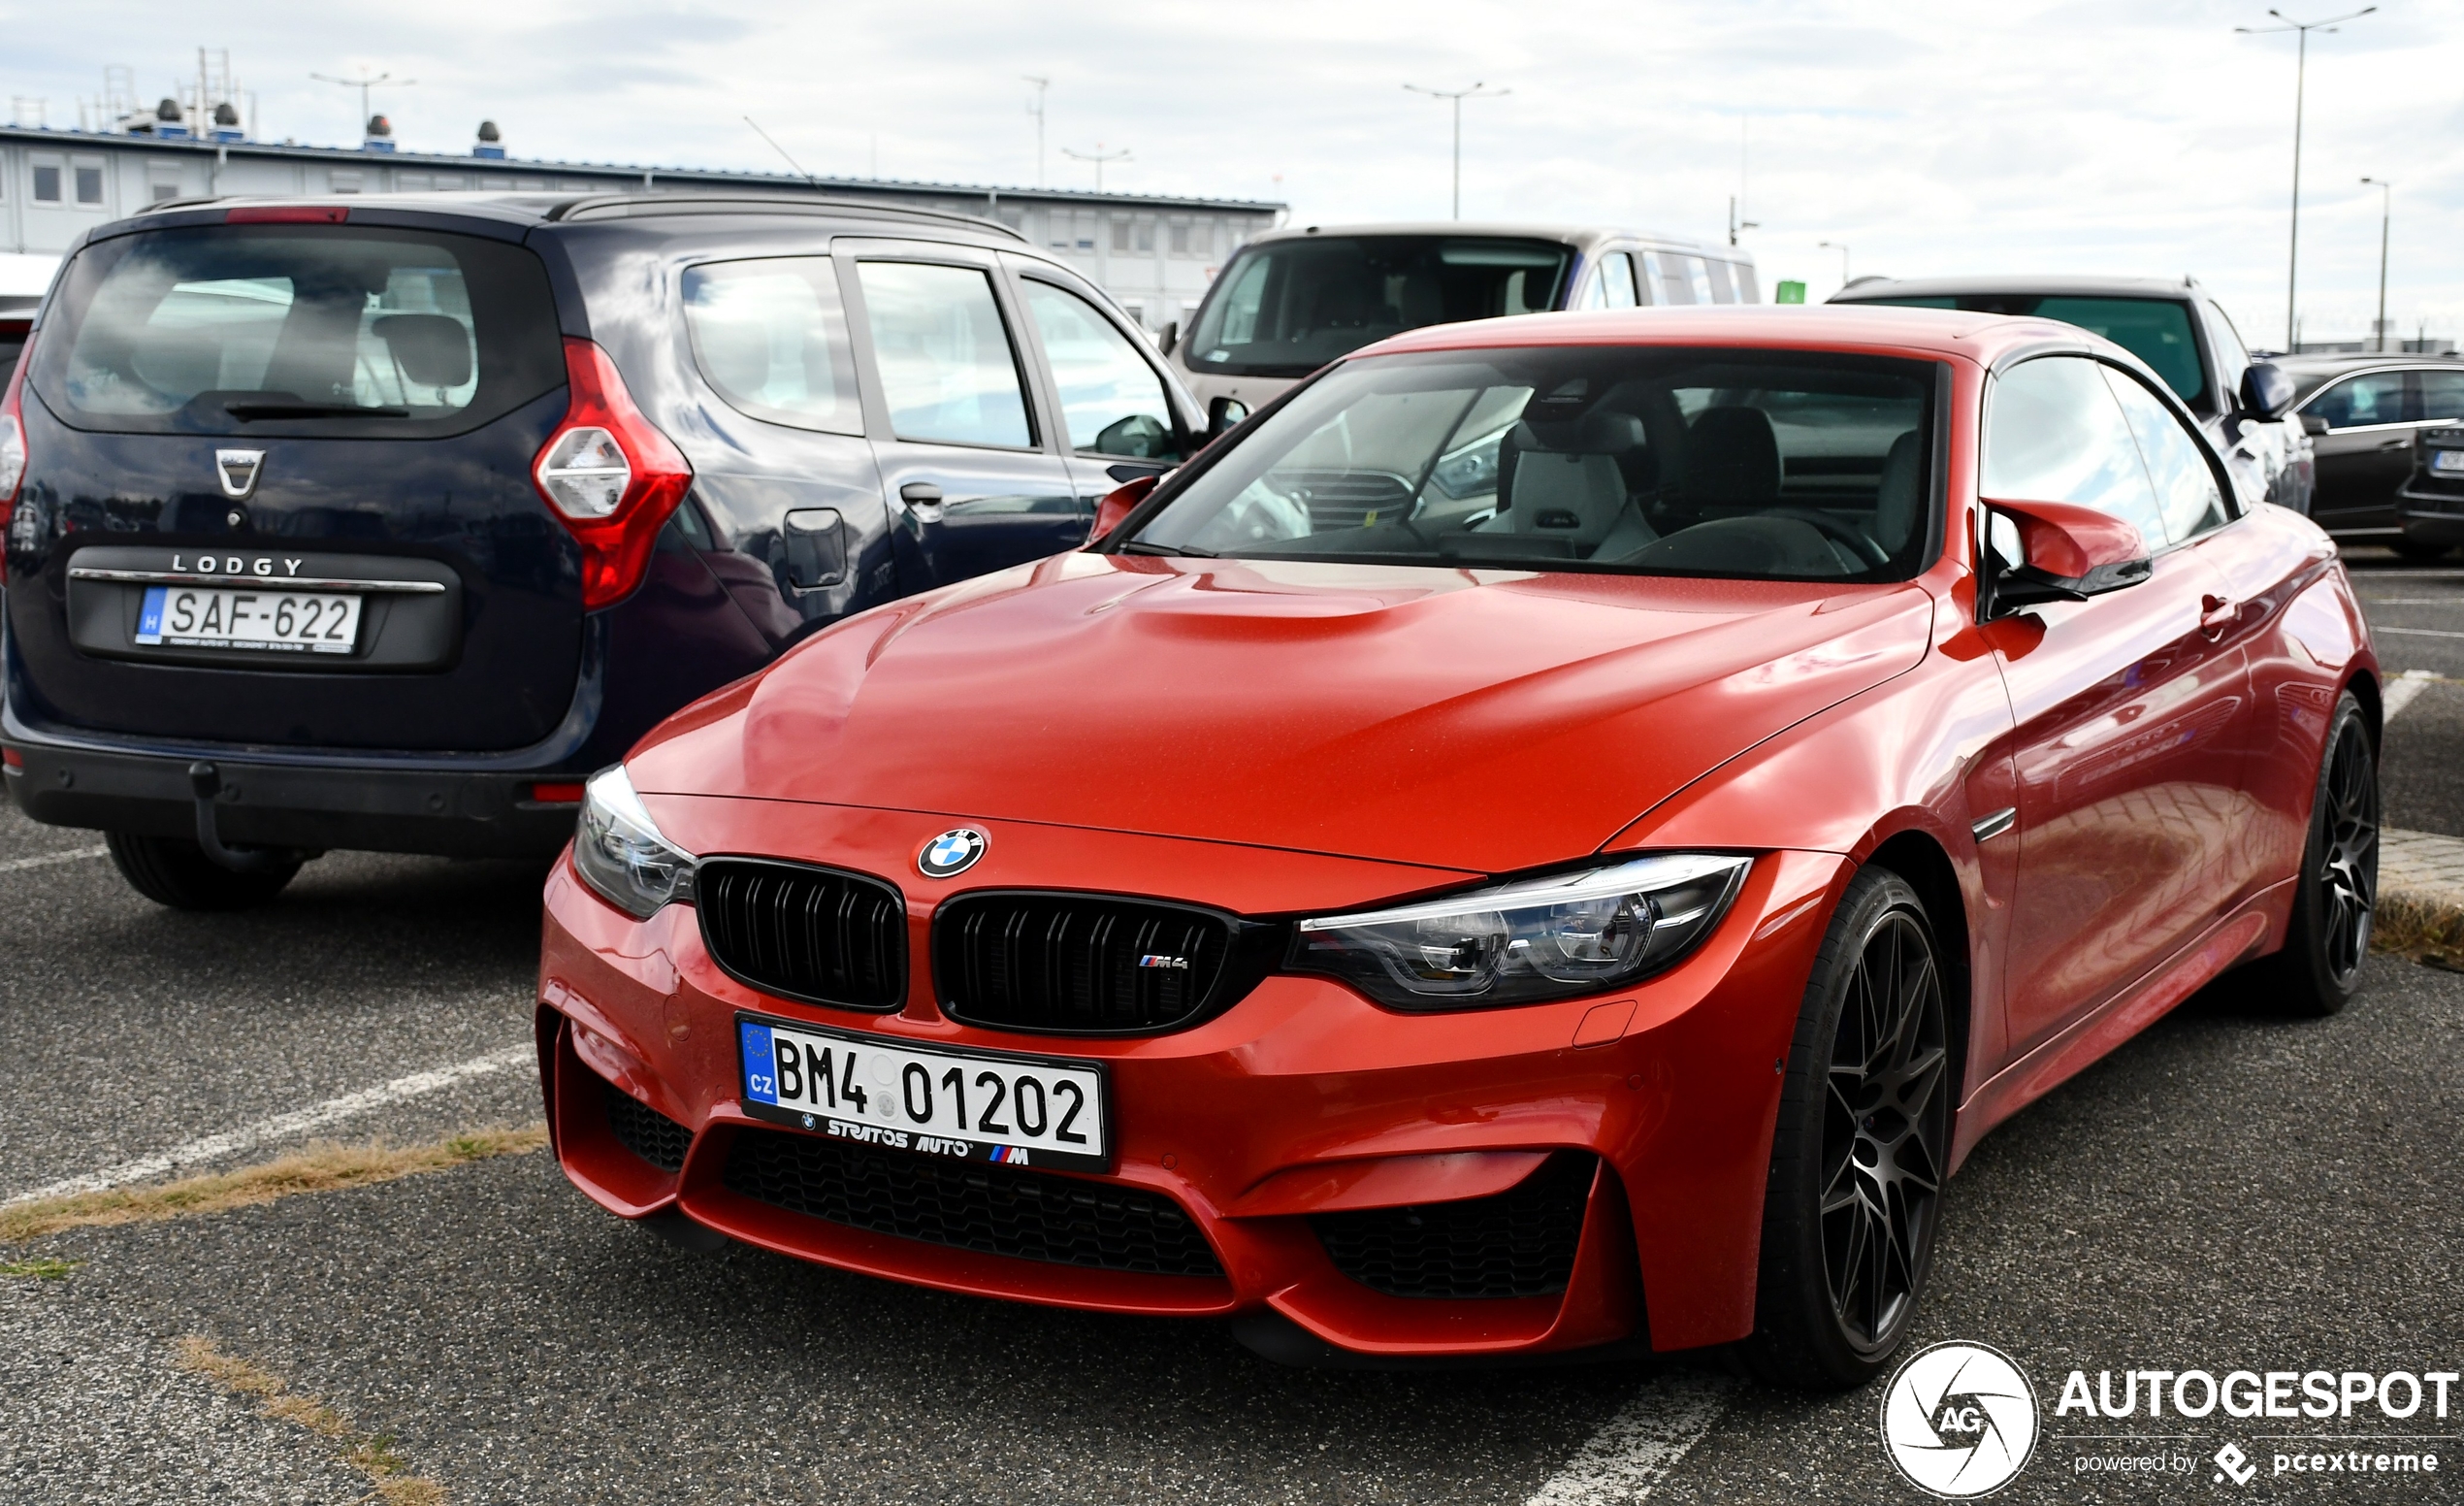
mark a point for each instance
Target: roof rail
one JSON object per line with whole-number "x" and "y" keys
{"x": 626, "y": 206}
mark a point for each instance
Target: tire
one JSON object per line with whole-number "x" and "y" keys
{"x": 2319, "y": 968}
{"x": 1836, "y": 1289}
{"x": 178, "y": 873}
{"x": 2418, "y": 552}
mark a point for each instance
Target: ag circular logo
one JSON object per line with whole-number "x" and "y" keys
{"x": 1958, "y": 1419}
{"x": 952, "y": 852}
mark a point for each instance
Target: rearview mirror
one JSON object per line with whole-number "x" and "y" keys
{"x": 1223, "y": 415}
{"x": 2267, "y": 393}
{"x": 1170, "y": 337}
{"x": 2315, "y": 424}
{"x": 1119, "y": 503}
{"x": 2064, "y": 553}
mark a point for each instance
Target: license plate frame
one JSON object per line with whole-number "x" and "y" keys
{"x": 860, "y": 1055}
{"x": 2446, "y": 462}
{"x": 299, "y": 622}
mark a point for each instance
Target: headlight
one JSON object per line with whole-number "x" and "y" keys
{"x": 619, "y": 851}
{"x": 1535, "y": 938}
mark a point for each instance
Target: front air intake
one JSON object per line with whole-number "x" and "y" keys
{"x": 1519, "y": 1242}
{"x": 809, "y": 934}
{"x": 1084, "y": 965}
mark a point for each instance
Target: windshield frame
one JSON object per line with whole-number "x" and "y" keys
{"x": 1939, "y": 400}
{"x": 1572, "y": 259}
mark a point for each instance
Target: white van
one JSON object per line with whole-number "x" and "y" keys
{"x": 1293, "y": 300}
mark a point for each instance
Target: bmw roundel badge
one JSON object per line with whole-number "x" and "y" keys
{"x": 952, "y": 853}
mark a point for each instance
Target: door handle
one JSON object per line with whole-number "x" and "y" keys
{"x": 924, "y": 498}
{"x": 2215, "y": 614}
{"x": 2395, "y": 443}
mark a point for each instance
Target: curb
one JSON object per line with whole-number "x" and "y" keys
{"x": 2420, "y": 893}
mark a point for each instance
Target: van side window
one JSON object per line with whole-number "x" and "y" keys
{"x": 770, "y": 336}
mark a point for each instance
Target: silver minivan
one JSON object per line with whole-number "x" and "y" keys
{"x": 1293, "y": 300}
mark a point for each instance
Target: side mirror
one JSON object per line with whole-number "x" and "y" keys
{"x": 1118, "y": 504}
{"x": 2267, "y": 393}
{"x": 2313, "y": 424}
{"x": 1170, "y": 337}
{"x": 2066, "y": 553}
{"x": 1223, "y": 415}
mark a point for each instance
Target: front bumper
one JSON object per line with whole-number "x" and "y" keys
{"x": 1300, "y": 1101}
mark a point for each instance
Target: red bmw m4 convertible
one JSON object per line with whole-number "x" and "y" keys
{"x": 1559, "y": 832}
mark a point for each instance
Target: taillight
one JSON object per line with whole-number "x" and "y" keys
{"x": 13, "y": 429}
{"x": 610, "y": 478}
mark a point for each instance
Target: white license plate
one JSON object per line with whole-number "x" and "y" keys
{"x": 282, "y": 621}
{"x": 962, "y": 1105}
{"x": 2448, "y": 462}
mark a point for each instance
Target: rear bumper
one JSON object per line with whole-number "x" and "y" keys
{"x": 2431, "y": 517}
{"x": 444, "y": 811}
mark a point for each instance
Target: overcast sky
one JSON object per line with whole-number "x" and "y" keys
{"x": 2093, "y": 136}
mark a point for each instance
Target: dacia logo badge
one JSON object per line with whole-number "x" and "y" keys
{"x": 238, "y": 469}
{"x": 952, "y": 853}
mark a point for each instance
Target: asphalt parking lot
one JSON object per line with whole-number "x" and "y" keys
{"x": 2235, "y": 1190}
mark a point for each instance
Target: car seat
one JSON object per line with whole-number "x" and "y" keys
{"x": 1562, "y": 481}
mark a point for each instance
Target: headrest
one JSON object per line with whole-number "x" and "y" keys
{"x": 1898, "y": 504}
{"x": 433, "y": 349}
{"x": 1599, "y": 432}
{"x": 1732, "y": 459}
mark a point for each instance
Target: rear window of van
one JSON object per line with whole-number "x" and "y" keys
{"x": 342, "y": 331}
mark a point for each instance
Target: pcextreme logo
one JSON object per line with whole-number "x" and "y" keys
{"x": 1959, "y": 1420}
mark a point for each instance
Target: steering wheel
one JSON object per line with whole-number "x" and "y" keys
{"x": 1864, "y": 547}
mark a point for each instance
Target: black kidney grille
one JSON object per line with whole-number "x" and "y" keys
{"x": 1075, "y": 964}
{"x": 645, "y": 1132}
{"x": 805, "y": 932}
{"x": 1518, "y": 1243}
{"x": 970, "y": 1205}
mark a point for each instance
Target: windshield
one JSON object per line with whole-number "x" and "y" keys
{"x": 2155, "y": 329}
{"x": 1286, "y": 307}
{"x": 340, "y": 331}
{"x": 1745, "y": 464}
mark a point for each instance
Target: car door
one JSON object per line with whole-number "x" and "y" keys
{"x": 974, "y": 478}
{"x": 1115, "y": 411}
{"x": 2127, "y": 709}
{"x": 2366, "y": 452}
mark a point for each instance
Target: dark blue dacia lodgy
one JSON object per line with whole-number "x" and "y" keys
{"x": 381, "y": 522}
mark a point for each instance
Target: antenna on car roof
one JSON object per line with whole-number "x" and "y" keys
{"x": 782, "y": 151}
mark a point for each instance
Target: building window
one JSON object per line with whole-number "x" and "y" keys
{"x": 1121, "y": 235}
{"x": 345, "y": 182}
{"x": 89, "y": 186}
{"x": 46, "y": 183}
{"x": 1180, "y": 239}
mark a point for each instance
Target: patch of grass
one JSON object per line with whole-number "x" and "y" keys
{"x": 44, "y": 1268}
{"x": 2423, "y": 932}
{"x": 371, "y": 1455}
{"x": 318, "y": 1169}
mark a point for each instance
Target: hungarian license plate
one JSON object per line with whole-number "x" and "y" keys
{"x": 295, "y": 622}
{"x": 2448, "y": 462}
{"x": 962, "y": 1105}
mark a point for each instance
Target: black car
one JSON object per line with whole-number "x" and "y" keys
{"x": 382, "y": 522}
{"x": 2179, "y": 330}
{"x": 2364, "y": 413}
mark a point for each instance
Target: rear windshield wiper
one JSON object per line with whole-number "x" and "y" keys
{"x": 1142, "y": 546}
{"x": 249, "y": 411}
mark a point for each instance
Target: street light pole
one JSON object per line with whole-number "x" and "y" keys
{"x": 1841, "y": 247}
{"x": 364, "y": 84}
{"x": 1037, "y": 110}
{"x": 2386, "y": 217}
{"x": 2301, "y": 70}
{"x": 1099, "y": 156}
{"x": 1457, "y": 97}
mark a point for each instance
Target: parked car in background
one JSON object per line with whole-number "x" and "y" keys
{"x": 2183, "y": 334}
{"x": 1291, "y": 300}
{"x": 381, "y": 522}
{"x": 1599, "y": 903}
{"x": 2363, "y": 414}
{"x": 16, "y": 318}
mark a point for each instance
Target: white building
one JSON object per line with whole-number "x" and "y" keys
{"x": 1155, "y": 254}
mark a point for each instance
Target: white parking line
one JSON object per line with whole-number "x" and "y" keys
{"x": 2378, "y": 627}
{"x": 16, "y": 865}
{"x": 1634, "y": 1450}
{"x": 316, "y": 1116}
{"x": 2404, "y": 687}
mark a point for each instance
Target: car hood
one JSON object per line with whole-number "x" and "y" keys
{"x": 1469, "y": 719}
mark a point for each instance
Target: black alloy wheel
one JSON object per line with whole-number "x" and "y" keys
{"x": 1860, "y": 1147}
{"x": 2327, "y": 936}
{"x": 1886, "y": 1135}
